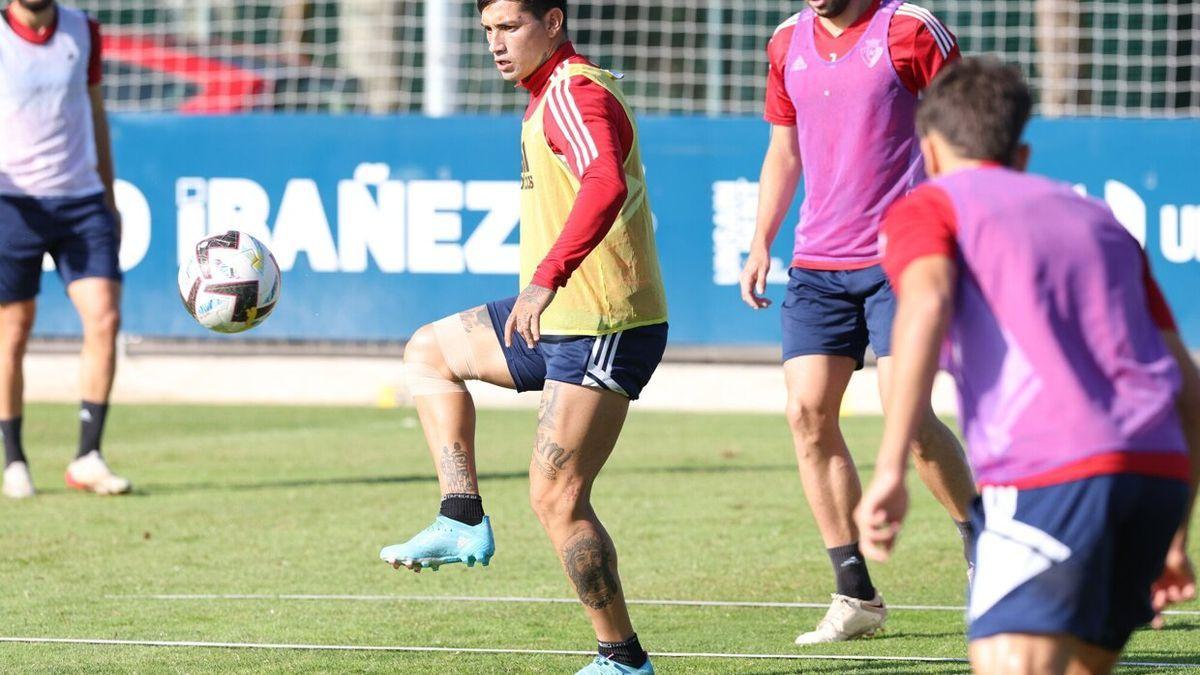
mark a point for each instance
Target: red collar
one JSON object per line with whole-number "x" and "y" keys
{"x": 29, "y": 34}
{"x": 537, "y": 81}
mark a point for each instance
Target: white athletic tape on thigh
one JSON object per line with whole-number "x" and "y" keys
{"x": 425, "y": 380}
{"x": 456, "y": 347}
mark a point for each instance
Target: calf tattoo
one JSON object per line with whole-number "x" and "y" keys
{"x": 589, "y": 562}
{"x": 550, "y": 458}
{"x": 456, "y": 469}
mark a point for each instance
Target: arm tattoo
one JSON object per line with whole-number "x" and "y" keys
{"x": 550, "y": 458}
{"x": 533, "y": 293}
{"x": 456, "y": 469}
{"x": 475, "y": 318}
{"x": 589, "y": 562}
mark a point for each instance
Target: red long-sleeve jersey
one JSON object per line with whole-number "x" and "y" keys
{"x": 588, "y": 128}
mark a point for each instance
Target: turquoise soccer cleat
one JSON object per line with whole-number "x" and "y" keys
{"x": 445, "y": 541}
{"x": 603, "y": 666}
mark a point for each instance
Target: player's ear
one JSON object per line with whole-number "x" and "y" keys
{"x": 929, "y": 153}
{"x": 1021, "y": 157}
{"x": 554, "y": 21}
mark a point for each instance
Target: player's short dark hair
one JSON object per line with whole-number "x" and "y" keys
{"x": 980, "y": 106}
{"x": 537, "y": 8}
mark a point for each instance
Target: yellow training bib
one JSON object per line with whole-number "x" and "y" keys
{"x": 619, "y": 285}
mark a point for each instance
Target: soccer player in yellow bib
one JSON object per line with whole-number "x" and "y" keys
{"x": 588, "y": 329}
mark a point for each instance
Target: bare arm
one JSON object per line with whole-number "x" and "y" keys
{"x": 1177, "y": 583}
{"x": 925, "y": 306}
{"x": 104, "y": 158}
{"x": 777, "y": 184}
{"x": 1188, "y": 404}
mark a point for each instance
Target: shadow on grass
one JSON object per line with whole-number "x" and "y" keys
{"x": 180, "y": 488}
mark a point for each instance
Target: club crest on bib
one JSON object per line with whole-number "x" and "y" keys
{"x": 872, "y": 51}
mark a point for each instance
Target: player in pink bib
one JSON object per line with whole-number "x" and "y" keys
{"x": 845, "y": 77}
{"x": 1079, "y": 402}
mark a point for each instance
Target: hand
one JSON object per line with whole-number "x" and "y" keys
{"x": 526, "y": 316}
{"x": 880, "y": 514}
{"x": 1176, "y": 584}
{"x": 754, "y": 278}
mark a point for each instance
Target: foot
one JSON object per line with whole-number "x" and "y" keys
{"x": 603, "y": 666}
{"x": 847, "y": 619}
{"x": 445, "y": 541}
{"x": 91, "y": 473}
{"x": 18, "y": 484}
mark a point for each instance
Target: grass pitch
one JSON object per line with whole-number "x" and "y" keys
{"x": 298, "y": 501}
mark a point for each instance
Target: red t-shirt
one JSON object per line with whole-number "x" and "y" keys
{"x": 919, "y": 43}
{"x": 42, "y": 37}
{"x": 587, "y": 126}
{"x": 924, "y": 224}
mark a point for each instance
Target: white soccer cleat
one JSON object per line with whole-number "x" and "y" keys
{"x": 92, "y": 474}
{"x": 18, "y": 484}
{"x": 847, "y": 619}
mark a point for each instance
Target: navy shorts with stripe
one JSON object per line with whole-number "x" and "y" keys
{"x": 79, "y": 233}
{"x": 1077, "y": 558}
{"x": 621, "y": 362}
{"x": 837, "y": 313}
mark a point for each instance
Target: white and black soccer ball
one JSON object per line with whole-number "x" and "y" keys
{"x": 231, "y": 284}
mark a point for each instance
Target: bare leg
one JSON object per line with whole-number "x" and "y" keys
{"x": 1021, "y": 654}
{"x": 448, "y": 419}
{"x": 16, "y": 322}
{"x": 577, "y": 430}
{"x": 98, "y": 302}
{"x": 815, "y": 387}
{"x": 938, "y": 458}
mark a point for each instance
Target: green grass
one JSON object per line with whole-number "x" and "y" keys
{"x": 260, "y": 500}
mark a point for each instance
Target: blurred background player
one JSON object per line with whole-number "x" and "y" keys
{"x": 56, "y": 197}
{"x": 1049, "y": 306}
{"x": 842, "y": 90}
{"x": 588, "y": 329}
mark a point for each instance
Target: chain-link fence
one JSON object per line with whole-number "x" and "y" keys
{"x": 1131, "y": 58}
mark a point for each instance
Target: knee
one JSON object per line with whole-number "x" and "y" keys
{"x": 14, "y": 333}
{"x": 553, "y": 504}
{"x": 103, "y": 324}
{"x": 423, "y": 348}
{"x": 811, "y": 424}
{"x": 934, "y": 441}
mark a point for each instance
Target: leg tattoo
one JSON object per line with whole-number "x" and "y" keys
{"x": 550, "y": 457}
{"x": 589, "y": 562}
{"x": 548, "y": 407}
{"x": 456, "y": 469}
{"x": 475, "y": 318}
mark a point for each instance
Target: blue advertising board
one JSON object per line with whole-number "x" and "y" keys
{"x": 381, "y": 224}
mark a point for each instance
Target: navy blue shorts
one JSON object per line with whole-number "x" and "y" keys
{"x": 79, "y": 233}
{"x": 838, "y": 312}
{"x": 622, "y": 362}
{"x": 1076, "y": 558}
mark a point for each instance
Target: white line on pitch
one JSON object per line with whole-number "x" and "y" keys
{"x": 531, "y": 652}
{"x": 515, "y": 599}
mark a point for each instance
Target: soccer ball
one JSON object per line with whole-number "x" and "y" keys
{"x": 231, "y": 284}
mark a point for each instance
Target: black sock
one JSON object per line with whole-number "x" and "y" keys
{"x": 91, "y": 426}
{"x": 13, "y": 450}
{"x": 850, "y": 569}
{"x": 967, "y": 531}
{"x": 629, "y": 652}
{"x": 466, "y": 509}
